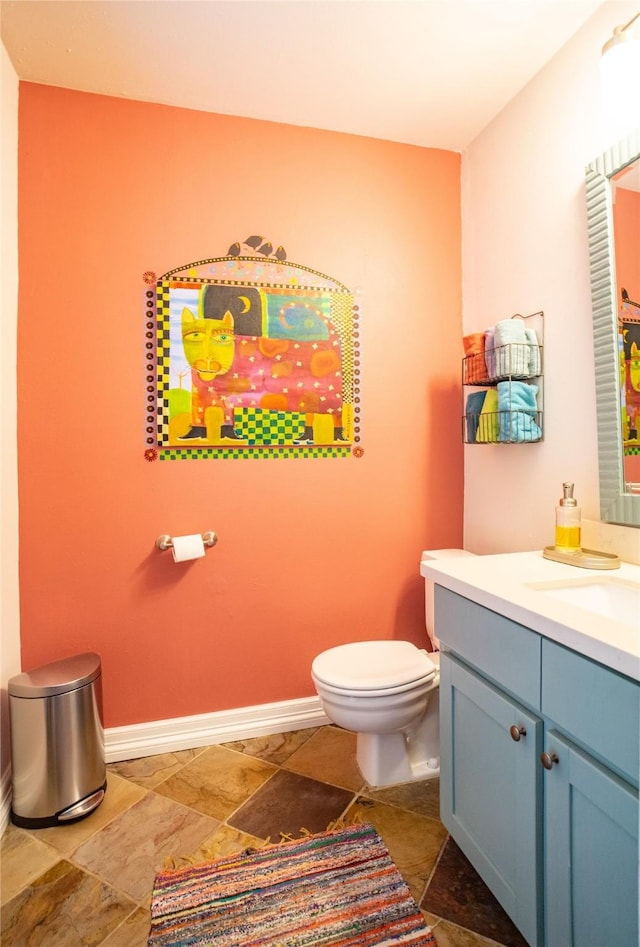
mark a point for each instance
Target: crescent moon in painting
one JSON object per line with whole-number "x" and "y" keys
{"x": 247, "y": 304}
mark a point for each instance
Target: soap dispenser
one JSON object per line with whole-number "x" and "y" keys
{"x": 568, "y": 521}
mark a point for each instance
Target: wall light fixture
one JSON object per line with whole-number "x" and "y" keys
{"x": 620, "y": 71}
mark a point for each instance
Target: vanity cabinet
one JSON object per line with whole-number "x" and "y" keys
{"x": 558, "y": 846}
{"x": 591, "y": 857}
{"x": 490, "y": 789}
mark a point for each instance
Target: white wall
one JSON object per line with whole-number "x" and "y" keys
{"x": 9, "y": 605}
{"x": 525, "y": 249}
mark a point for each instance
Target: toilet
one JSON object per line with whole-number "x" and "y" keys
{"x": 387, "y": 693}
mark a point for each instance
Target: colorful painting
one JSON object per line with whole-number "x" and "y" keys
{"x": 629, "y": 349}
{"x": 251, "y": 356}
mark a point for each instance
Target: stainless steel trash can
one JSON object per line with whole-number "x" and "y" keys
{"x": 57, "y": 742}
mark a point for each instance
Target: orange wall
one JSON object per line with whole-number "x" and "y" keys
{"x": 311, "y": 553}
{"x": 626, "y": 221}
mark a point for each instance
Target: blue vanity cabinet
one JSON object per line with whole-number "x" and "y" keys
{"x": 592, "y": 744}
{"x": 591, "y": 852}
{"x": 550, "y": 820}
{"x": 490, "y": 779}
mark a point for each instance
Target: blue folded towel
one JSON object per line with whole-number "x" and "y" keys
{"x": 472, "y": 414}
{"x": 517, "y": 409}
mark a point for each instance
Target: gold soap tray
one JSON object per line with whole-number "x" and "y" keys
{"x": 583, "y": 558}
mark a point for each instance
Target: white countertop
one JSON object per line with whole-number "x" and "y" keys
{"x": 503, "y": 584}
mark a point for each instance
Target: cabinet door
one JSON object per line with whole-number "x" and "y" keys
{"x": 591, "y": 852}
{"x": 490, "y": 789}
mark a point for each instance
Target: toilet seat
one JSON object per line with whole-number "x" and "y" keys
{"x": 361, "y": 694}
{"x": 373, "y": 668}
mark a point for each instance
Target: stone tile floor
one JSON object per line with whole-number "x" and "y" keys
{"x": 90, "y": 882}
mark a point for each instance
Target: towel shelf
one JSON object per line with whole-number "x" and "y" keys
{"x": 513, "y": 414}
{"x": 502, "y": 427}
{"x": 511, "y": 359}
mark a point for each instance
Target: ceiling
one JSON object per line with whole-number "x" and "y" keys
{"x": 426, "y": 72}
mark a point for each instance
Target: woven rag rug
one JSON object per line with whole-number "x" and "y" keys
{"x": 337, "y": 888}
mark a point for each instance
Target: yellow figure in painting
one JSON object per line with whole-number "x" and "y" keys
{"x": 209, "y": 347}
{"x": 633, "y": 392}
{"x": 208, "y": 344}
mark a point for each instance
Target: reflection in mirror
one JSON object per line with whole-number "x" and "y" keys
{"x": 614, "y": 237}
{"x": 625, "y": 199}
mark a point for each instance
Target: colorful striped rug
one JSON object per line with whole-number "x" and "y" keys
{"x": 336, "y": 888}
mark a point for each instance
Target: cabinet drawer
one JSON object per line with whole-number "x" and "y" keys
{"x": 501, "y": 649}
{"x": 596, "y": 706}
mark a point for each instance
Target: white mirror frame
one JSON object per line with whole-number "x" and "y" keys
{"x": 615, "y": 505}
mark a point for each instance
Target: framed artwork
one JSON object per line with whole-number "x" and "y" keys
{"x": 249, "y": 355}
{"x": 629, "y": 349}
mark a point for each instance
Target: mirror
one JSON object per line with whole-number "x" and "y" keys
{"x": 619, "y": 493}
{"x": 625, "y": 200}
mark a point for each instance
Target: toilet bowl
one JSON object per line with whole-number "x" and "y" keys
{"x": 387, "y": 693}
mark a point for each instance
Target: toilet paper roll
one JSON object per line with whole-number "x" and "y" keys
{"x": 187, "y": 547}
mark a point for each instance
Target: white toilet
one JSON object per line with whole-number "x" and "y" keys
{"x": 387, "y": 693}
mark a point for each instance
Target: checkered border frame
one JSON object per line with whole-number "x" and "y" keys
{"x": 251, "y": 453}
{"x": 157, "y": 349}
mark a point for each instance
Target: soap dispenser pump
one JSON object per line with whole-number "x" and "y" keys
{"x": 568, "y": 521}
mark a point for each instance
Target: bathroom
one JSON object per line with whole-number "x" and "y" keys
{"x": 435, "y": 243}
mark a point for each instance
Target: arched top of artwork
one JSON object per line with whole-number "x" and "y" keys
{"x": 254, "y": 270}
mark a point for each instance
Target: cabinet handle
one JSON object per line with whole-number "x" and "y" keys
{"x": 517, "y": 732}
{"x": 548, "y": 759}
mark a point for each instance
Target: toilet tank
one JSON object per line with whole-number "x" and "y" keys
{"x": 428, "y": 587}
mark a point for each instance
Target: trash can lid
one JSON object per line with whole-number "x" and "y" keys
{"x": 60, "y": 677}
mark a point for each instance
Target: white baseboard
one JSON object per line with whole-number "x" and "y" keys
{"x": 222, "y": 726}
{"x": 185, "y": 733}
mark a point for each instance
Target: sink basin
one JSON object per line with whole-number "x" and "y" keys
{"x": 616, "y": 599}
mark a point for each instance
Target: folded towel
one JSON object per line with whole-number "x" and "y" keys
{"x": 534, "y": 352}
{"x": 517, "y": 395}
{"x": 474, "y": 343}
{"x": 490, "y": 354}
{"x": 473, "y": 408}
{"x": 516, "y": 427}
{"x": 475, "y": 370}
{"x": 512, "y": 348}
{"x": 509, "y": 330}
{"x": 488, "y": 428}
{"x": 517, "y": 409}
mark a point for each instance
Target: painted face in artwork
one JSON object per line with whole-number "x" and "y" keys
{"x": 209, "y": 344}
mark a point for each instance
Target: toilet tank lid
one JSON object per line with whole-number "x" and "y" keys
{"x": 60, "y": 677}
{"x": 368, "y": 665}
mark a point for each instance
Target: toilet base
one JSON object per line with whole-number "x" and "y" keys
{"x": 385, "y": 759}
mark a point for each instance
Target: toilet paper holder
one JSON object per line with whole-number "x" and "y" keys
{"x": 165, "y": 542}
